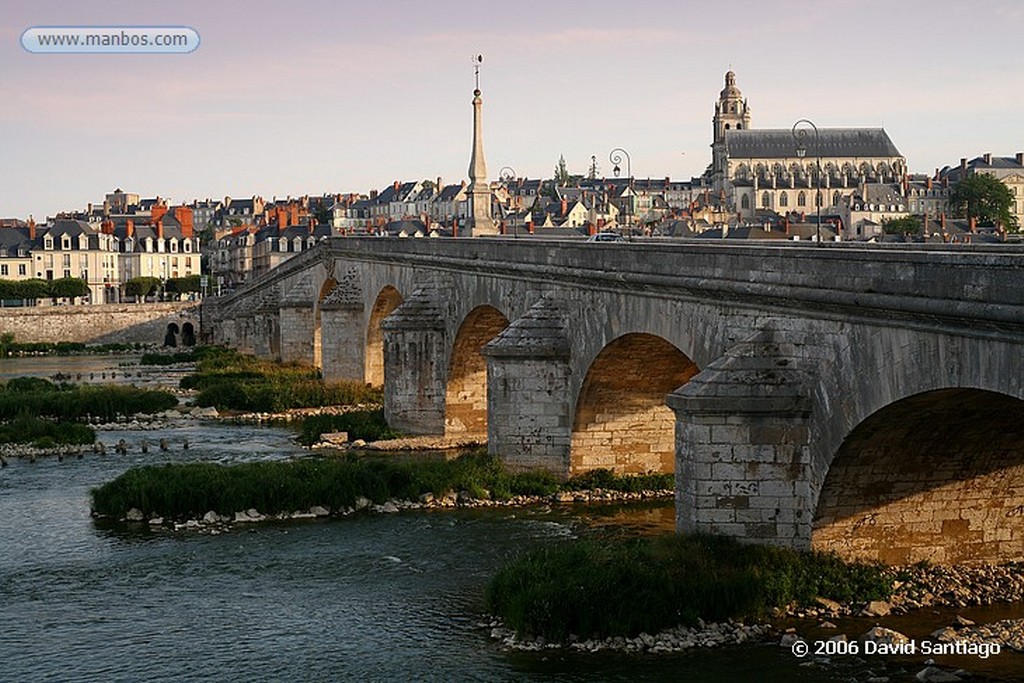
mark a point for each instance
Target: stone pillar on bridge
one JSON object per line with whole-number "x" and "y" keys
{"x": 529, "y": 424}
{"x": 297, "y": 323}
{"x": 343, "y": 334}
{"x": 743, "y": 431}
{"x": 415, "y": 371}
{"x": 266, "y": 342}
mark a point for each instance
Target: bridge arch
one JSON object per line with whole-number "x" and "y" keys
{"x": 935, "y": 476}
{"x": 466, "y": 391}
{"x": 325, "y": 289}
{"x": 621, "y": 421}
{"x": 385, "y": 303}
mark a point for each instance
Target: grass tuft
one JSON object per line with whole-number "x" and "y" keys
{"x": 613, "y": 586}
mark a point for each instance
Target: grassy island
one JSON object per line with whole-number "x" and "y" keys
{"x": 38, "y": 412}
{"x": 600, "y": 587}
{"x": 229, "y": 380}
{"x": 189, "y": 490}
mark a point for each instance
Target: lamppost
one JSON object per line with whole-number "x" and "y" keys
{"x": 506, "y": 175}
{"x": 800, "y": 136}
{"x": 615, "y": 156}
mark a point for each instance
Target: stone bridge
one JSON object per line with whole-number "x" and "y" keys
{"x": 865, "y": 399}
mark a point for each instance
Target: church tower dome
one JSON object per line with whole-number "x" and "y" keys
{"x": 731, "y": 110}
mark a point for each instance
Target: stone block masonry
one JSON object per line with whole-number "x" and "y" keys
{"x": 98, "y": 324}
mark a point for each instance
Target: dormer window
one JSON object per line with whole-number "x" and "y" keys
{"x": 174, "y": 246}
{"x": 187, "y": 246}
{"x": 48, "y": 242}
{"x": 65, "y": 242}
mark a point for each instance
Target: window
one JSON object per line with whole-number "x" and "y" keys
{"x": 65, "y": 242}
{"x": 801, "y": 199}
{"x": 766, "y": 200}
{"x": 22, "y": 269}
{"x": 836, "y": 198}
{"x": 745, "y": 202}
{"x": 67, "y": 272}
{"x": 3, "y": 269}
{"x": 67, "y": 260}
{"x": 783, "y": 199}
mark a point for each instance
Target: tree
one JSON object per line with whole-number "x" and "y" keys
{"x": 69, "y": 287}
{"x": 908, "y": 225}
{"x": 561, "y": 172}
{"x": 984, "y": 198}
{"x": 141, "y": 287}
{"x": 183, "y": 285}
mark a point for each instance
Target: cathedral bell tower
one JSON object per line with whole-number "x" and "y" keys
{"x": 731, "y": 113}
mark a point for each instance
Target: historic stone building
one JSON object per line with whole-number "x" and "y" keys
{"x": 773, "y": 170}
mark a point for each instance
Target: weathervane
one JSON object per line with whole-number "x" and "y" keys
{"x": 477, "y": 61}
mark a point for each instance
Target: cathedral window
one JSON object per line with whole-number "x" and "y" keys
{"x": 745, "y": 202}
{"x": 766, "y": 200}
{"x": 727, "y": 126}
{"x": 783, "y": 199}
{"x": 836, "y": 197}
{"x": 739, "y": 126}
{"x": 801, "y": 199}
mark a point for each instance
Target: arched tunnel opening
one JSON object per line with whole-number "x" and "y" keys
{"x": 935, "y": 477}
{"x": 466, "y": 395}
{"x": 622, "y": 422}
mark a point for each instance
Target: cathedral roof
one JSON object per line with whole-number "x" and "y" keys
{"x": 834, "y": 142}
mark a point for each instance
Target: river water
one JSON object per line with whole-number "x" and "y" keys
{"x": 366, "y": 598}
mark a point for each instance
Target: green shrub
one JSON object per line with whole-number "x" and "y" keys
{"x": 105, "y": 402}
{"x": 45, "y": 433}
{"x": 191, "y": 489}
{"x": 228, "y": 380}
{"x": 613, "y": 586}
{"x": 368, "y": 425}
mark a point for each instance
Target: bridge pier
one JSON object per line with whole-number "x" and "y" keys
{"x": 415, "y": 371}
{"x": 743, "y": 429}
{"x": 529, "y": 424}
{"x": 342, "y": 342}
{"x": 297, "y": 331}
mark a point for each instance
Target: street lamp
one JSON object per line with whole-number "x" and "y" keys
{"x": 506, "y": 175}
{"x": 615, "y": 156}
{"x": 800, "y": 136}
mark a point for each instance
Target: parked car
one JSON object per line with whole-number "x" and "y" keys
{"x": 606, "y": 237}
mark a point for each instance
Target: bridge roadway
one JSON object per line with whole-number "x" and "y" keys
{"x": 863, "y": 398}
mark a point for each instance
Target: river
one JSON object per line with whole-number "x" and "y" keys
{"x": 368, "y": 598}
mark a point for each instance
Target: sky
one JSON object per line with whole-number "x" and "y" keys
{"x": 314, "y": 96}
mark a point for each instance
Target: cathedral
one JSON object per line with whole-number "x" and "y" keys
{"x": 782, "y": 170}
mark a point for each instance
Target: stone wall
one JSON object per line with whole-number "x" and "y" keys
{"x": 99, "y": 324}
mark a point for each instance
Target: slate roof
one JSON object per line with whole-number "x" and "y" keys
{"x": 13, "y": 239}
{"x": 834, "y": 142}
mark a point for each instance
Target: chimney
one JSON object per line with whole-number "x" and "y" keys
{"x": 942, "y": 221}
{"x": 987, "y": 156}
{"x": 158, "y": 212}
{"x": 31, "y": 228}
{"x": 396, "y": 185}
{"x": 963, "y": 167}
{"x": 974, "y": 224}
{"x": 928, "y": 184}
{"x": 129, "y": 228}
{"x": 439, "y": 185}
{"x": 1020, "y": 158}
{"x": 565, "y": 206}
{"x": 183, "y": 214}
{"x": 107, "y": 227}
{"x": 159, "y": 229}
{"x": 373, "y": 194}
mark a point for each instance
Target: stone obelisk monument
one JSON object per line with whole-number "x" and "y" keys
{"x": 480, "y": 221}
